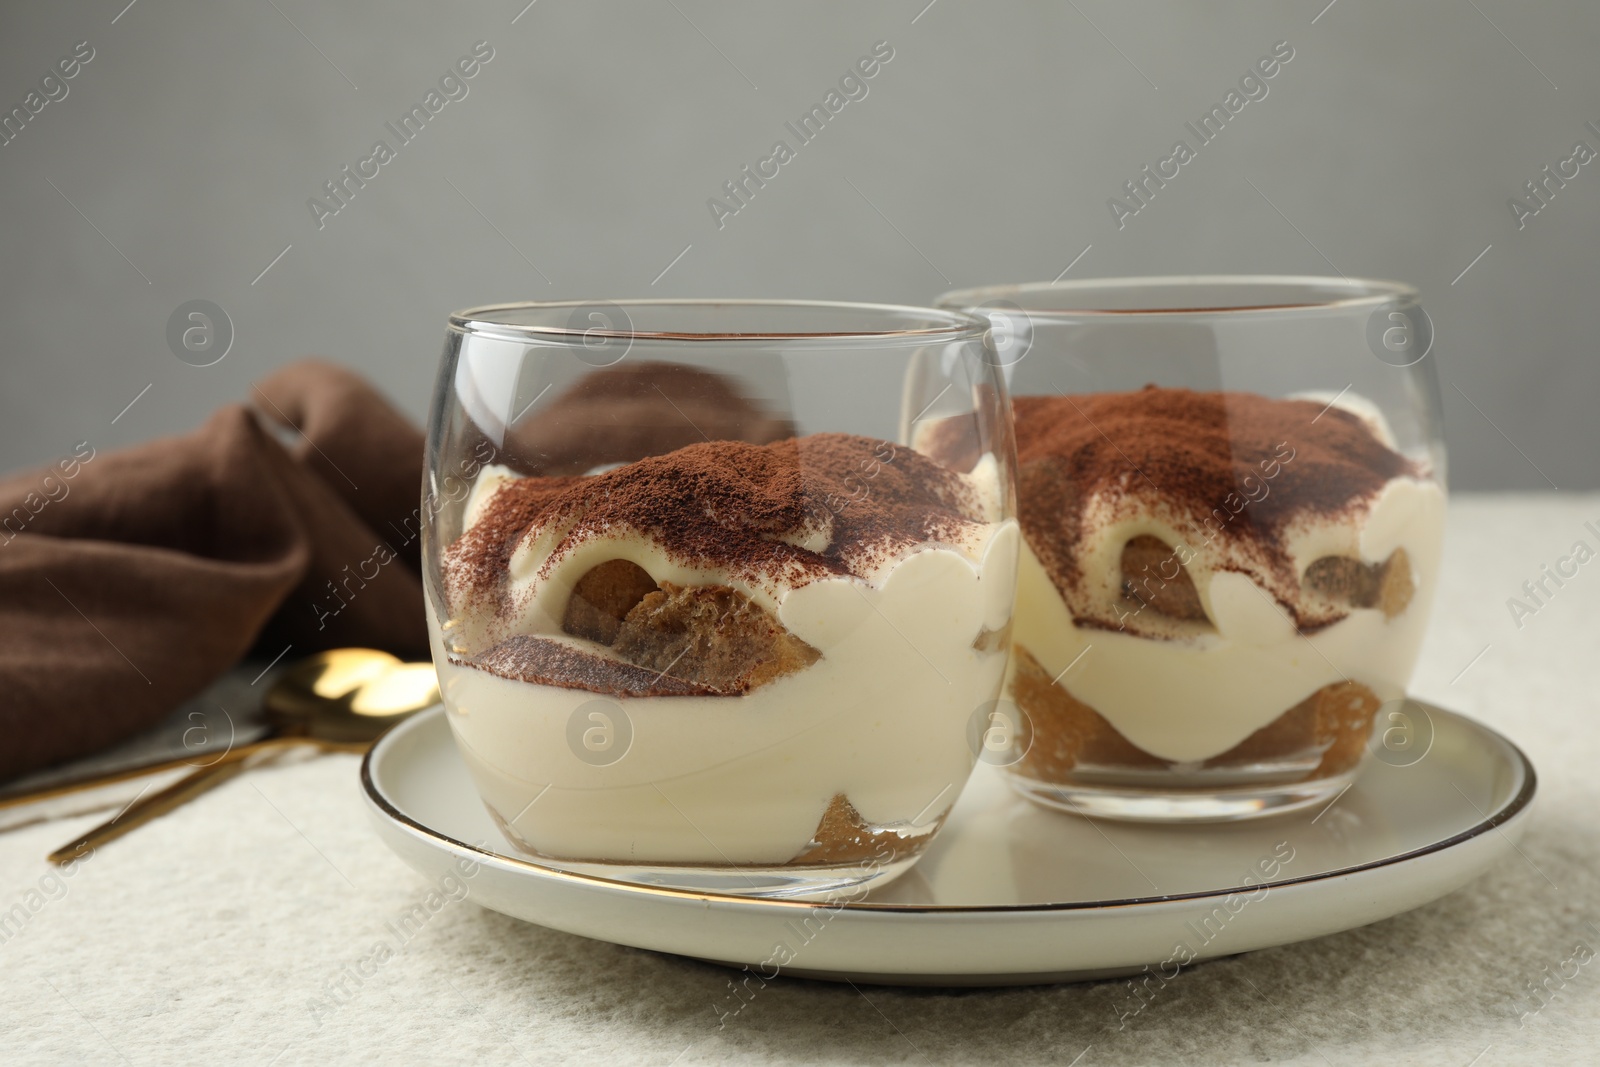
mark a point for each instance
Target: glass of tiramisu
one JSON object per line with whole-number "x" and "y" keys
{"x": 703, "y": 615}
{"x": 1231, "y": 494}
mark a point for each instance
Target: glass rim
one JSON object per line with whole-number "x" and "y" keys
{"x": 941, "y": 324}
{"x": 1361, "y": 293}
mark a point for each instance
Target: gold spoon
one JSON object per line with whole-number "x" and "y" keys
{"x": 337, "y": 701}
{"x": 350, "y": 664}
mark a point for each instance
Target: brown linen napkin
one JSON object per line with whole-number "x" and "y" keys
{"x": 130, "y": 583}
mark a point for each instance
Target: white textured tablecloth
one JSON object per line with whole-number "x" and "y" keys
{"x": 233, "y": 931}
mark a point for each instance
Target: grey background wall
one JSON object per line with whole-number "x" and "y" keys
{"x": 179, "y": 164}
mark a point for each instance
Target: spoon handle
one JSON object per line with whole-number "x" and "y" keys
{"x": 145, "y": 808}
{"x": 99, "y": 780}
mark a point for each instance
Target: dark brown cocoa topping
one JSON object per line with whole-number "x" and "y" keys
{"x": 727, "y": 505}
{"x": 636, "y": 409}
{"x": 479, "y": 558}
{"x": 1233, "y": 465}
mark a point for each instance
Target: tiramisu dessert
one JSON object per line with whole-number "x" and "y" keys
{"x": 785, "y": 640}
{"x": 1217, "y": 590}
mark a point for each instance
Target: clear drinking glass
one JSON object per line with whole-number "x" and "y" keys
{"x": 701, "y": 615}
{"x": 1231, "y": 493}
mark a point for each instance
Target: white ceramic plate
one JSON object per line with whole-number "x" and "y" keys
{"x": 1011, "y": 893}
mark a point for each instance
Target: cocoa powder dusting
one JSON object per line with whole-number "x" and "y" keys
{"x": 478, "y": 559}
{"x": 1195, "y": 451}
{"x": 728, "y": 504}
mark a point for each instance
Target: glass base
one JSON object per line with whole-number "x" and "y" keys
{"x": 1146, "y": 804}
{"x": 840, "y": 872}
{"x": 840, "y": 882}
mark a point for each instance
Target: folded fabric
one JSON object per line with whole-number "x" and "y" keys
{"x": 130, "y": 580}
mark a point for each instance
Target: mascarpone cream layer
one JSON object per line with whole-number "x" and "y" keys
{"x": 880, "y": 717}
{"x": 1198, "y": 693}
